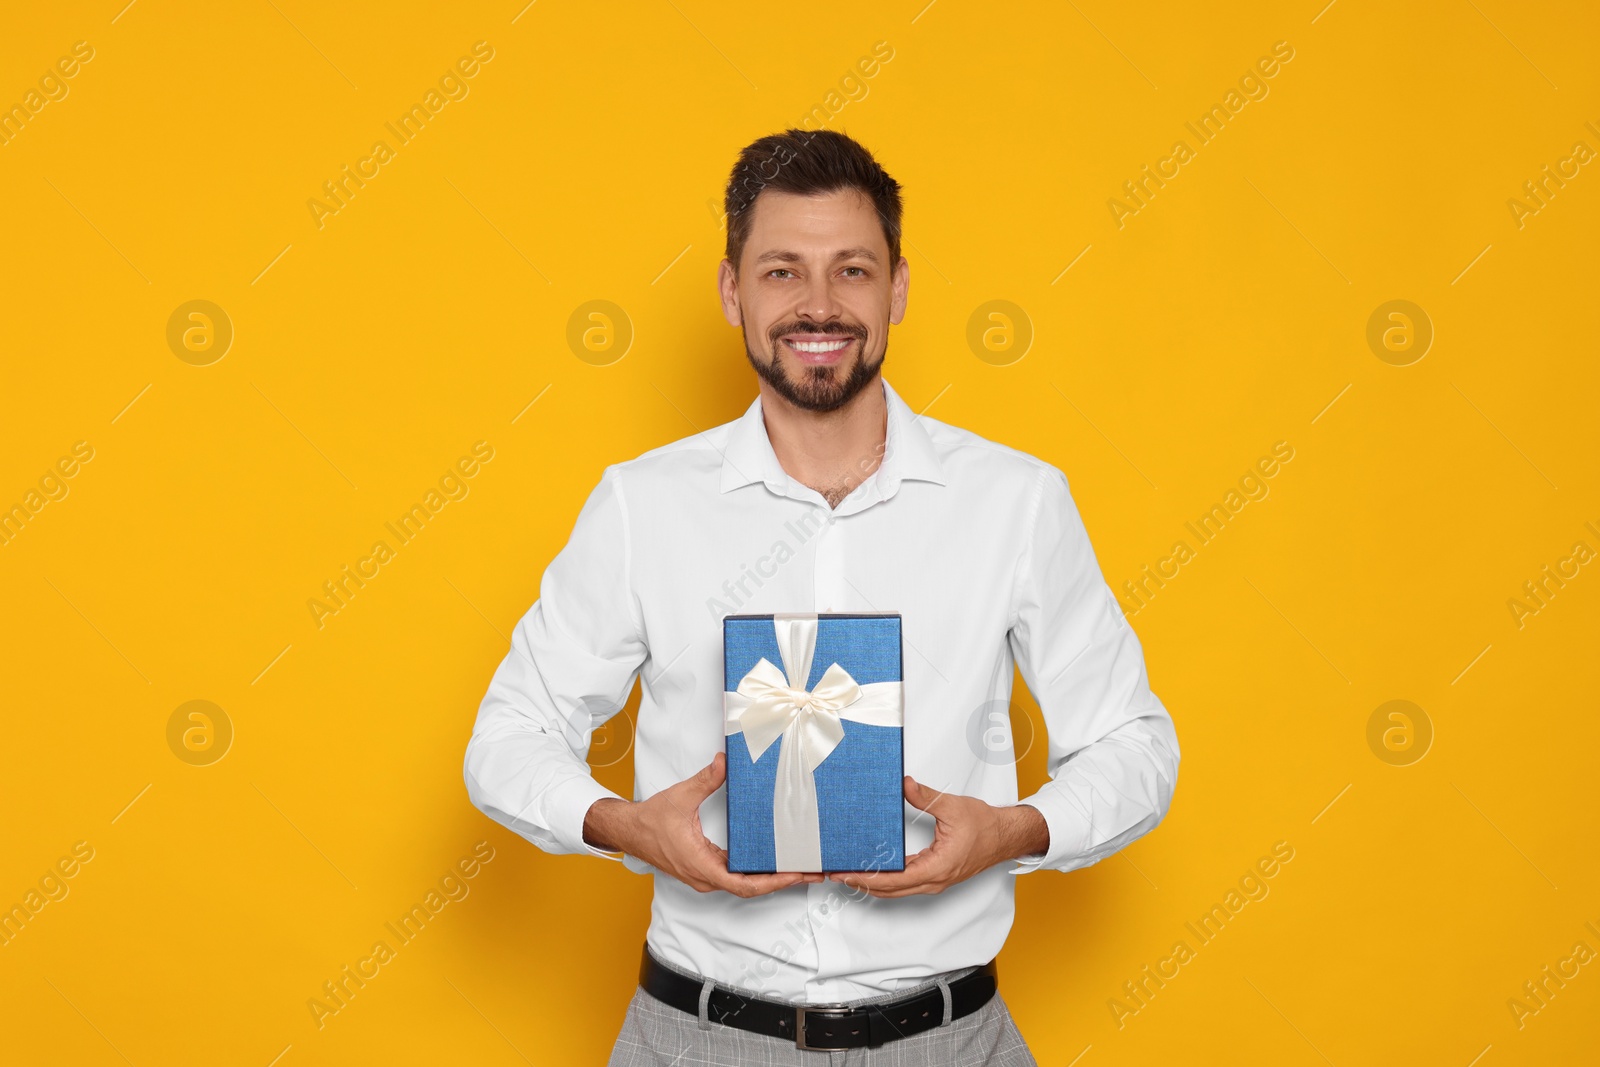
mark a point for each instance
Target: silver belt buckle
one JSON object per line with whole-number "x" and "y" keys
{"x": 836, "y": 1011}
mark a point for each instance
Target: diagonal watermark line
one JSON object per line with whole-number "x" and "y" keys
{"x": 1513, "y": 44}
{"x": 1330, "y": 804}
{"x": 302, "y": 433}
{"x": 1297, "y": 630}
{"x": 479, "y": 610}
{"x": 499, "y": 231}
{"x": 96, "y": 629}
{"x": 130, "y": 804}
{"x": 302, "y": 833}
{"x": 1102, "y": 433}
{"x": 1323, "y": 12}
{"x": 123, "y": 12}
{"x": 1135, "y": 866}
{"x": 923, "y": 813}
{"x": 281, "y": 1055}
{"x": 530, "y": 404}
{"x": 931, "y": 263}
{"x": 271, "y": 665}
{"x": 1113, "y": 44}
{"x": 662, "y": 673}
{"x": 130, "y": 404}
{"x": 1080, "y": 1055}
{"x": 669, "y": 266}
{"x": 873, "y": 607}
{"x": 314, "y": 47}
{"x": 99, "y": 231}
{"x": 520, "y": 653}
{"x": 713, "y": 44}
{"x": 1480, "y": 1055}
{"x": 486, "y": 1019}
{"x": 1298, "y": 230}
{"x": 1330, "y": 404}
{"x": 1285, "y": 1018}
{"x": 269, "y": 266}
{"x": 923, "y": 12}
{"x": 1074, "y": 263}
{"x": 523, "y": 12}
{"x": 1502, "y": 833}
{"x": 1474, "y": 263}
{"x": 698, "y": 432}
{"x": 1469, "y": 666}
{"x": 86, "y": 1019}
{"x": 935, "y": 400}
{"x": 525, "y": 658}
{"x": 1502, "y": 433}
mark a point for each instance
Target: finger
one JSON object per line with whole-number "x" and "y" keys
{"x": 751, "y": 885}
{"x": 916, "y": 859}
{"x": 920, "y": 796}
{"x": 911, "y": 889}
{"x": 922, "y": 889}
{"x": 768, "y": 882}
{"x": 915, "y": 863}
{"x": 700, "y": 785}
{"x": 781, "y": 880}
{"x": 687, "y": 796}
{"x": 877, "y": 882}
{"x": 920, "y": 868}
{"x": 920, "y": 871}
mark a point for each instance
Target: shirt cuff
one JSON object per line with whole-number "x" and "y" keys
{"x": 566, "y": 806}
{"x": 1061, "y": 826}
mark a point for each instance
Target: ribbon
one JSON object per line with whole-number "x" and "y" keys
{"x": 770, "y": 706}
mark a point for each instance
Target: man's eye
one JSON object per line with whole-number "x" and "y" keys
{"x": 780, "y": 270}
{"x": 861, "y": 269}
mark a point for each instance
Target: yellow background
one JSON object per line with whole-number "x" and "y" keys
{"x": 587, "y": 162}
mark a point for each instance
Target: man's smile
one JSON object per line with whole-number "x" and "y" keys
{"x": 818, "y": 348}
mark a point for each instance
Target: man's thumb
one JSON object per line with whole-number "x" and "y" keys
{"x": 711, "y": 775}
{"x": 920, "y": 795}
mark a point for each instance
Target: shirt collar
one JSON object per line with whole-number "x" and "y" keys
{"x": 909, "y": 455}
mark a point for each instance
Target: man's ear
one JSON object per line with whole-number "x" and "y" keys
{"x": 899, "y": 290}
{"x": 728, "y": 289}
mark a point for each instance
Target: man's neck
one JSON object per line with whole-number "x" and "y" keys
{"x": 833, "y": 451}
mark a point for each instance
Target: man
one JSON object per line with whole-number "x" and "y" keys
{"x": 829, "y": 494}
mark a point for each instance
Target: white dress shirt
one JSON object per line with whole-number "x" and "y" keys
{"x": 981, "y": 549}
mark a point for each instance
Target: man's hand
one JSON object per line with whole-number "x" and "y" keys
{"x": 664, "y": 831}
{"x": 969, "y": 836}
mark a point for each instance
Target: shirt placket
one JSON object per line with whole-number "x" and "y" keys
{"x": 823, "y": 899}
{"x": 828, "y": 576}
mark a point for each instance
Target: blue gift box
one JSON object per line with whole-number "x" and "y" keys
{"x": 813, "y": 719}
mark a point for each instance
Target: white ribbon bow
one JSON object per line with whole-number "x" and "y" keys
{"x": 769, "y": 705}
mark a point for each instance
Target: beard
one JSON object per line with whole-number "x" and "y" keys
{"x": 818, "y": 387}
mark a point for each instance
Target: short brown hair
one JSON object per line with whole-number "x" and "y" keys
{"x": 808, "y": 162}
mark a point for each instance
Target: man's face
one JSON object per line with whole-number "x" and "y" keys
{"x": 815, "y": 295}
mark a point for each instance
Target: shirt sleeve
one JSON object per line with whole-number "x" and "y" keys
{"x": 1113, "y": 752}
{"x": 573, "y": 661}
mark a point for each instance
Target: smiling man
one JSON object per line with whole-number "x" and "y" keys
{"x": 852, "y": 502}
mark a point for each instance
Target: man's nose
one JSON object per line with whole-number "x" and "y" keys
{"x": 820, "y": 302}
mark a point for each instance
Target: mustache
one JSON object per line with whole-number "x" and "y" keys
{"x": 779, "y": 331}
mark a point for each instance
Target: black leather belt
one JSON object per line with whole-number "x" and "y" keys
{"x": 821, "y": 1026}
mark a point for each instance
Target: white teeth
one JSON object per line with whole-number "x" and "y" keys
{"x": 818, "y": 346}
